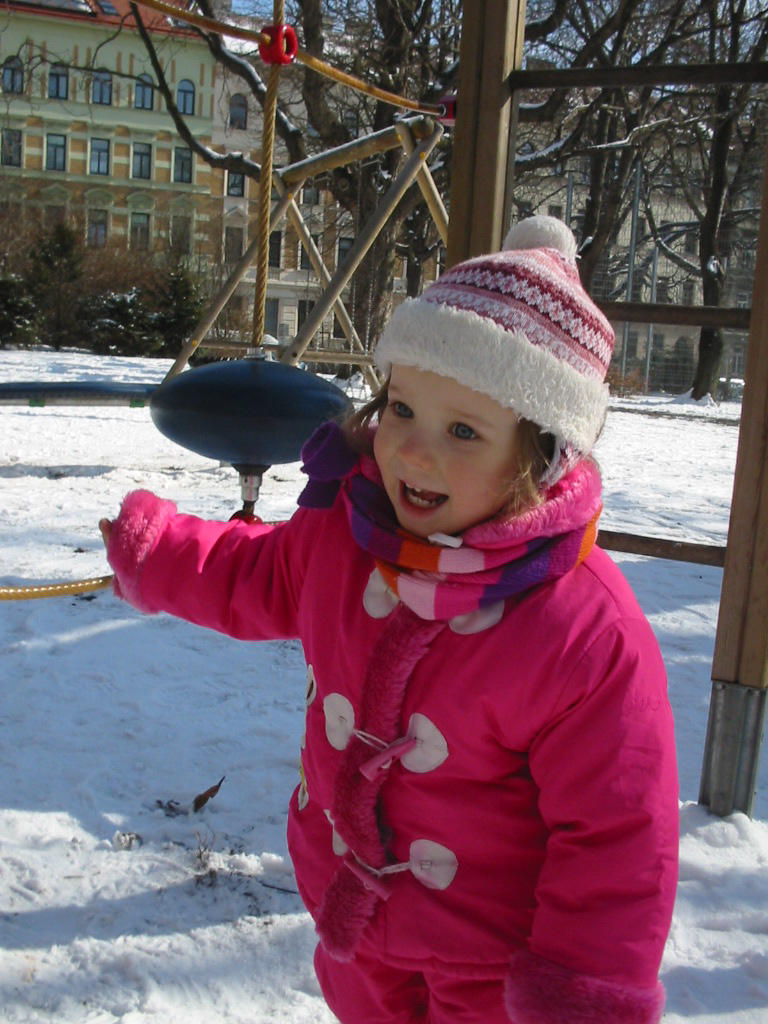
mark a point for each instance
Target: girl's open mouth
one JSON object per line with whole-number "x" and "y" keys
{"x": 422, "y": 499}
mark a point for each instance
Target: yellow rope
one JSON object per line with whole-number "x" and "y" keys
{"x": 55, "y": 589}
{"x": 320, "y": 66}
{"x": 265, "y": 190}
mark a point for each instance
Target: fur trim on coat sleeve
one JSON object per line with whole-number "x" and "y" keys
{"x": 538, "y": 991}
{"x": 142, "y": 518}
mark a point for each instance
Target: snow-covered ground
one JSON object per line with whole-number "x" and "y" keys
{"x": 117, "y": 902}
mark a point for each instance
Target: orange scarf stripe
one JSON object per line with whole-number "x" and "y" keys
{"x": 590, "y": 537}
{"x": 418, "y": 554}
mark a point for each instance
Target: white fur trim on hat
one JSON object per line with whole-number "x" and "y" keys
{"x": 518, "y": 326}
{"x": 477, "y": 353}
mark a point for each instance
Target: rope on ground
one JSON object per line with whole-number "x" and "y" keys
{"x": 314, "y": 63}
{"x": 28, "y": 593}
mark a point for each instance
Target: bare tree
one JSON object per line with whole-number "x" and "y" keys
{"x": 713, "y": 160}
{"x": 700, "y": 144}
{"x": 404, "y": 46}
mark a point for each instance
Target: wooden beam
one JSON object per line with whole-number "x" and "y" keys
{"x": 661, "y": 547}
{"x": 740, "y": 665}
{"x": 741, "y": 646}
{"x": 491, "y": 47}
{"x": 638, "y": 75}
{"x": 666, "y": 313}
{"x": 351, "y": 152}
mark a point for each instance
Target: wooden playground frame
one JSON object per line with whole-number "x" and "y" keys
{"x": 490, "y": 75}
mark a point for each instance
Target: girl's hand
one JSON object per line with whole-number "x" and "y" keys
{"x": 105, "y": 525}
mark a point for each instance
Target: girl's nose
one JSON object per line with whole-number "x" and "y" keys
{"x": 415, "y": 450}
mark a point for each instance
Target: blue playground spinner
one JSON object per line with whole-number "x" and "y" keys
{"x": 247, "y": 412}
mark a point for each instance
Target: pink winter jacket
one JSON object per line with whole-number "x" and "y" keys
{"x": 536, "y": 818}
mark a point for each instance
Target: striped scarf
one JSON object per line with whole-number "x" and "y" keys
{"x": 444, "y": 577}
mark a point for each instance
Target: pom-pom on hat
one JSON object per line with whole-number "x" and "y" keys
{"x": 516, "y": 325}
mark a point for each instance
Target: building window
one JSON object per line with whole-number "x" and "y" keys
{"x": 233, "y": 244}
{"x": 688, "y": 293}
{"x": 99, "y": 156}
{"x": 345, "y": 244}
{"x": 690, "y": 243}
{"x": 185, "y": 97}
{"x": 101, "y": 88}
{"x": 310, "y": 195}
{"x": 304, "y": 261}
{"x": 271, "y": 311}
{"x": 238, "y": 111}
{"x": 235, "y": 184}
{"x": 275, "y": 248}
{"x": 181, "y": 233}
{"x": 142, "y": 160}
{"x": 58, "y": 82}
{"x": 97, "y": 228}
{"x": 182, "y": 164}
{"x": 55, "y": 152}
{"x": 11, "y": 147}
{"x": 746, "y": 258}
{"x": 305, "y": 308}
{"x": 144, "y": 94}
{"x": 139, "y": 230}
{"x": 13, "y": 75}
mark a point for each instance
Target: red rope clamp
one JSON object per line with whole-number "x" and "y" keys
{"x": 282, "y": 46}
{"x": 448, "y": 116}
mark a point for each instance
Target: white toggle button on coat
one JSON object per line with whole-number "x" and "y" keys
{"x": 378, "y": 599}
{"x": 339, "y": 720}
{"x": 434, "y": 865}
{"x": 477, "y": 621}
{"x": 431, "y": 749}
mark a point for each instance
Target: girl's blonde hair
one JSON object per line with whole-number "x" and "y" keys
{"x": 535, "y": 450}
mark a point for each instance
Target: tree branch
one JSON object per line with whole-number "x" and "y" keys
{"x": 235, "y": 162}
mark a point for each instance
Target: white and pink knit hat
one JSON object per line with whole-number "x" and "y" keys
{"x": 516, "y": 325}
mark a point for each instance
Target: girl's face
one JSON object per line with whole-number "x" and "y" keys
{"x": 447, "y": 454}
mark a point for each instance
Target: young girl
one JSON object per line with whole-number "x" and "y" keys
{"x": 486, "y": 824}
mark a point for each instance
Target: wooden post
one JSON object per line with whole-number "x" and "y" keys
{"x": 740, "y": 664}
{"x": 491, "y": 47}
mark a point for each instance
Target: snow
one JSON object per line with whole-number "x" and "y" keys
{"x": 120, "y": 903}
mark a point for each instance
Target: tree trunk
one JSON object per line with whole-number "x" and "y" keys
{"x": 710, "y": 338}
{"x": 708, "y": 365}
{"x": 373, "y": 288}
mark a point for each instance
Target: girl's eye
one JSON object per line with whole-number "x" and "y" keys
{"x": 462, "y": 432}
{"x": 401, "y": 409}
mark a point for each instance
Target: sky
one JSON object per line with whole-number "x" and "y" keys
{"x": 119, "y": 902}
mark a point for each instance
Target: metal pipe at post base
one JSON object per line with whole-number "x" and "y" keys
{"x": 732, "y": 751}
